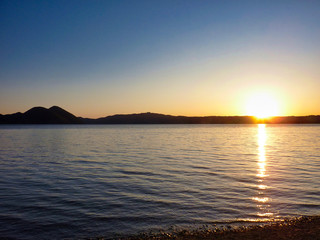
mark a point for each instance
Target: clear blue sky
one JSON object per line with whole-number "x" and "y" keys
{"x": 96, "y": 58}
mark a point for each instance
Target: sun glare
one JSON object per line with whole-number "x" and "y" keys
{"x": 262, "y": 106}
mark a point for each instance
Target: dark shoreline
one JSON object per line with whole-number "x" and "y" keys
{"x": 300, "y": 228}
{"x": 57, "y": 115}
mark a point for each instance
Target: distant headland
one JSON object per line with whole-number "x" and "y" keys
{"x": 57, "y": 115}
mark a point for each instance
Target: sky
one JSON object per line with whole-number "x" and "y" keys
{"x": 195, "y": 58}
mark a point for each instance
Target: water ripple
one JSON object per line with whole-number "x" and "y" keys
{"x": 84, "y": 181}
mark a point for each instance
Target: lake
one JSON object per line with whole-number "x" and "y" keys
{"x": 75, "y": 181}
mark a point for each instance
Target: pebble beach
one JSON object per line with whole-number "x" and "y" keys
{"x": 301, "y": 228}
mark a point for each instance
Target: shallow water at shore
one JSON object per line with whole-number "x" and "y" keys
{"x": 76, "y": 181}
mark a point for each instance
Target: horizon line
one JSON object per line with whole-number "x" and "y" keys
{"x": 195, "y": 116}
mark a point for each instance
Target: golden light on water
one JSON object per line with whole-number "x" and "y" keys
{"x": 262, "y": 137}
{"x": 267, "y": 214}
{"x": 261, "y": 199}
{"x": 261, "y": 186}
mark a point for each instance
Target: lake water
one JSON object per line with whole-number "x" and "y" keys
{"x": 91, "y": 180}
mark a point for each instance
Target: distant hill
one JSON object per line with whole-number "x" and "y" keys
{"x": 41, "y": 115}
{"x": 312, "y": 119}
{"x": 155, "y": 118}
{"x": 57, "y": 115}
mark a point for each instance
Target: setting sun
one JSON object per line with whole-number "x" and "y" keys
{"x": 262, "y": 105}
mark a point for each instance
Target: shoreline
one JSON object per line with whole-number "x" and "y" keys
{"x": 298, "y": 228}
{"x": 57, "y": 115}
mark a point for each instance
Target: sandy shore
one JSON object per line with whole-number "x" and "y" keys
{"x": 295, "y": 229}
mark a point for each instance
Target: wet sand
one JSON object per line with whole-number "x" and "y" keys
{"x": 295, "y": 229}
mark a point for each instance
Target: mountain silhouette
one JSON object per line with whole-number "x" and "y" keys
{"x": 57, "y": 115}
{"x": 41, "y": 115}
{"x": 156, "y": 118}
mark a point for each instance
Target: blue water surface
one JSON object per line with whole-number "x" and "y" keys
{"x": 77, "y": 181}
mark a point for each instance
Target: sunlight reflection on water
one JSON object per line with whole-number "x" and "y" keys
{"x": 262, "y": 200}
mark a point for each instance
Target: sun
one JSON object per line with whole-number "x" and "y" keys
{"x": 262, "y": 105}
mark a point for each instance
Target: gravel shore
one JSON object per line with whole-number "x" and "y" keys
{"x": 302, "y": 228}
